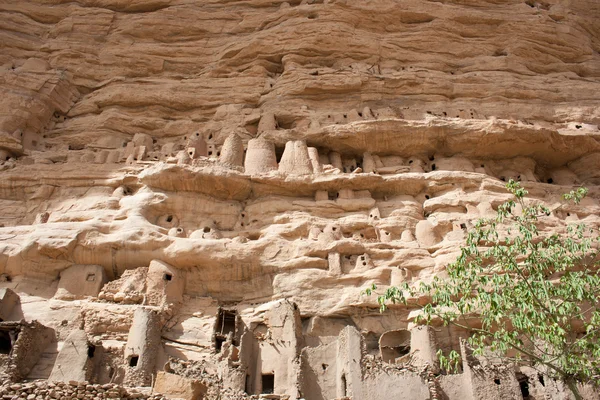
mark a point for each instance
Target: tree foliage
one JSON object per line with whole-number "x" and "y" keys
{"x": 523, "y": 294}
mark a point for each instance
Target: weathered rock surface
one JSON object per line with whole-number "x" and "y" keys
{"x": 205, "y": 188}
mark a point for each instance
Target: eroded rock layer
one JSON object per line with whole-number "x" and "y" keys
{"x": 195, "y": 193}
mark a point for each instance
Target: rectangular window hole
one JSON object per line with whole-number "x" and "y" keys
{"x": 5, "y": 342}
{"x": 268, "y": 384}
{"x": 90, "y": 277}
{"x": 168, "y": 277}
{"x": 133, "y": 361}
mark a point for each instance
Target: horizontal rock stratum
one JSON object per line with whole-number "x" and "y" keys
{"x": 195, "y": 193}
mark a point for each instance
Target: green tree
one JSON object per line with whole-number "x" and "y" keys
{"x": 525, "y": 295}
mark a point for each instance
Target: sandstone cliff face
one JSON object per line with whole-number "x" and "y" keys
{"x": 212, "y": 184}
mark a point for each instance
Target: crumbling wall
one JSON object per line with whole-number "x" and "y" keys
{"x": 28, "y": 340}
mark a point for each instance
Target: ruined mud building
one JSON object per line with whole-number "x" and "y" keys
{"x": 194, "y": 194}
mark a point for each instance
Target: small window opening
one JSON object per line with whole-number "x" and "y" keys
{"x": 344, "y": 386}
{"x": 197, "y": 134}
{"x": 497, "y": 381}
{"x": 169, "y": 218}
{"x": 91, "y": 350}
{"x": 210, "y": 136}
{"x": 550, "y": 180}
{"x": 168, "y": 277}
{"x": 324, "y": 366}
{"x": 90, "y": 277}
{"x": 410, "y": 162}
{"x": 179, "y": 230}
{"x": 210, "y": 153}
{"x": 360, "y": 114}
{"x": 433, "y": 167}
{"x": 5, "y": 342}
{"x": 463, "y": 226}
{"x": 133, "y": 361}
{"x": 218, "y": 153}
{"x": 541, "y": 379}
{"x": 431, "y": 158}
{"x": 206, "y": 229}
{"x": 268, "y": 384}
{"x": 427, "y": 197}
{"x": 503, "y": 179}
{"x": 578, "y": 126}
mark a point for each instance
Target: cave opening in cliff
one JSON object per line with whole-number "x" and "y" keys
{"x": 268, "y": 384}
{"x": 5, "y": 343}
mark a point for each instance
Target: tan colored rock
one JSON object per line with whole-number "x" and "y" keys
{"x": 177, "y": 387}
